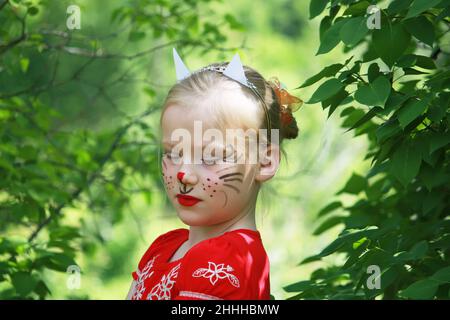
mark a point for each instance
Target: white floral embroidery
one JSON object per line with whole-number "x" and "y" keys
{"x": 215, "y": 272}
{"x": 142, "y": 276}
{"x": 161, "y": 291}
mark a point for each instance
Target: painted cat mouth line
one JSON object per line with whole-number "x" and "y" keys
{"x": 184, "y": 191}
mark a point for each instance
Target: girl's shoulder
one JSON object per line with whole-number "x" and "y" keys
{"x": 163, "y": 241}
{"x": 225, "y": 267}
{"x": 169, "y": 236}
{"x": 231, "y": 245}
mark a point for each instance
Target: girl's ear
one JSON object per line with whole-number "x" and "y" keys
{"x": 269, "y": 163}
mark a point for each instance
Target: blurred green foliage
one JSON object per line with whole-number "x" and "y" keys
{"x": 79, "y": 162}
{"x": 55, "y": 153}
{"x": 396, "y": 92}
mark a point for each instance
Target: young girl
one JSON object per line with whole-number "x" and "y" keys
{"x": 221, "y": 255}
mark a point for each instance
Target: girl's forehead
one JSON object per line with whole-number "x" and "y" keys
{"x": 203, "y": 143}
{"x": 179, "y": 116}
{"x": 211, "y": 121}
{"x": 216, "y": 106}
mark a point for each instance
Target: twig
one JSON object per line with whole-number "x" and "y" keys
{"x": 121, "y": 132}
{"x": 11, "y": 44}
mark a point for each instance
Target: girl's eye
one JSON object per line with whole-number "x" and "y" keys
{"x": 229, "y": 156}
{"x": 212, "y": 161}
{"x": 209, "y": 161}
{"x": 229, "y": 159}
{"x": 172, "y": 155}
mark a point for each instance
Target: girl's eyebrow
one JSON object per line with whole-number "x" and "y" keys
{"x": 214, "y": 143}
{"x": 218, "y": 146}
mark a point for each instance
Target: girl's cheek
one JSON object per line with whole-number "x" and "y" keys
{"x": 222, "y": 181}
{"x": 168, "y": 177}
{"x": 210, "y": 185}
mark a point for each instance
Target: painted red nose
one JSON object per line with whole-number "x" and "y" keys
{"x": 180, "y": 176}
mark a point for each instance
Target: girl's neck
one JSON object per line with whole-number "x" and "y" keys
{"x": 245, "y": 220}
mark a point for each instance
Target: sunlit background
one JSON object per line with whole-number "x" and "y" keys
{"x": 274, "y": 37}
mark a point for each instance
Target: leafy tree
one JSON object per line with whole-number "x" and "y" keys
{"x": 396, "y": 93}
{"x": 55, "y": 153}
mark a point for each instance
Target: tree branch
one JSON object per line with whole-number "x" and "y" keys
{"x": 121, "y": 132}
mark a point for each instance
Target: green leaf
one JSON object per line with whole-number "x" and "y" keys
{"x": 376, "y": 189}
{"x": 328, "y": 224}
{"x": 340, "y": 98}
{"x": 348, "y": 236}
{"x": 352, "y": 115}
{"x": 326, "y": 90}
{"x": 316, "y": 7}
{"x": 57, "y": 261}
{"x": 353, "y": 30}
{"x": 419, "y": 6}
{"x": 439, "y": 140}
{"x": 136, "y": 36}
{"x": 386, "y": 278}
{"x": 354, "y": 185}
{"x": 359, "y": 242}
{"x": 42, "y": 290}
{"x": 24, "y": 63}
{"x": 325, "y": 24}
{"x": 422, "y": 289}
{"x": 326, "y": 72}
{"x": 442, "y": 275}
{"x": 23, "y": 282}
{"x": 390, "y": 42}
{"x": 357, "y": 9}
{"x": 64, "y": 232}
{"x": 425, "y": 62}
{"x": 32, "y": 11}
{"x": 411, "y": 110}
{"x": 369, "y": 115}
{"x": 330, "y": 208}
{"x": 421, "y": 28}
{"x": 394, "y": 101}
{"x": 331, "y": 37}
{"x": 431, "y": 201}
{"x": 375, "y": 93}
{"x": 419, "y": 250}
{"x": 298, "y": 286}
{"x": 313, "y": 258}
{"x": 398, "y": 6}
{"x": 411, "y": 71}
{"x": 438, "y": 108}
{"x": 373, "y": 72}
{"x": 407, "y": 60}
{"x": 233, "y": 22}
{"x": 405, "y": 163}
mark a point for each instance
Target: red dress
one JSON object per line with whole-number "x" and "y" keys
{"x": 232, "y": 266}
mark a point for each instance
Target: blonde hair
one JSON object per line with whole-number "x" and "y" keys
{"x": 231, "y": 104}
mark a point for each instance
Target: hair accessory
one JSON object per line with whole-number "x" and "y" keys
{"x": 288, "y": 103}
{"x": 234, "y": 70}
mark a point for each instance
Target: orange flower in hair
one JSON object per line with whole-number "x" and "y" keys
{"x": 288, "y": 102}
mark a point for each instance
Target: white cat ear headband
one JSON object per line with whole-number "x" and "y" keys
{"x": 234, "y": 70}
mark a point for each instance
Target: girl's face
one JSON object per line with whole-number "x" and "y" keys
{"x": 204, "y": 193}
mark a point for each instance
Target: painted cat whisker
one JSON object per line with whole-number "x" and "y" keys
{"x": 233, "y": 179}
{"x": 232, "y": 187}
{"x": 230, "y": 175}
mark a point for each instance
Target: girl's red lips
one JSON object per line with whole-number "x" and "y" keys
{"x": 186, "y": 200}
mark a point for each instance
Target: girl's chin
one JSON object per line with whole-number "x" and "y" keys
{"x": 189, "y": 216}
{"x": 194, "y": 219}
